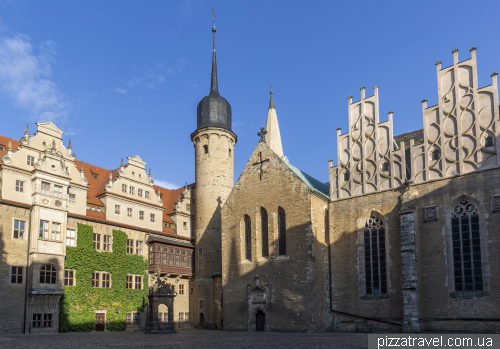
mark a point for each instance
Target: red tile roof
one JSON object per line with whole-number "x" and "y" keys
{"x": 97, "y": 187}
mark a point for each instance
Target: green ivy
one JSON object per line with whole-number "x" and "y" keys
{"x": 79, "y": 301}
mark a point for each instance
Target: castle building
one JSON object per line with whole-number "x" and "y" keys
{"x": 402, "y": 236}
{"x": 47, "y": 197}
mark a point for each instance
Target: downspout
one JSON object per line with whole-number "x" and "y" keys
{"x": 27, "y": 272}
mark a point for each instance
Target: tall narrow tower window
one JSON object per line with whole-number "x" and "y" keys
{"x": 281, "y": 232}
{"x": 264, "y": 232}
{"x": 248, "y": 238}
{"x": 205, "y": 148}
{"x": 375, "y": 270}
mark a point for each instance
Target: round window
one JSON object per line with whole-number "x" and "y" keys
{"x": 190, "y": 253}
{"x": 158, "y": 248}
{"x": 178, "y": 251}
{"x": 172, "y": 250}
{"x": 183, "y": 252}
{"x": 151, "y": 248}
{"x": 165, "y": 249}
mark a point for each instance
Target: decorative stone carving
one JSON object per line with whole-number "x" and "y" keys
{"x": 495, "y": 203}
{"x": 6, "y": 159}
{"x": 430, "y": 213}
{"x": 45, "y": 201}
{"x": 58, "y": 203}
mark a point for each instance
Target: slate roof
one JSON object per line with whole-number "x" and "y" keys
{"x": 417, "y": 135}
{"x": 316, "y": 186}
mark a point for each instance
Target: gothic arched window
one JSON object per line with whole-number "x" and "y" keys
{"x": 466, "y": 247}
{"x": 248, "y": 238}
{"x": 281, "y": 232}
{"x": 48, "y": 274}
{"x": 375, "y": 266}
{"x": 264, "y": 232}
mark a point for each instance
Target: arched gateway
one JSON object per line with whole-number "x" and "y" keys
{"x": 160, "y": 293}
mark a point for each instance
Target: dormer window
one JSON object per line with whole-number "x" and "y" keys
{"x": 95, "y": 175}
{"x": 133, "y": 173}
{"x": 2, "y": 147}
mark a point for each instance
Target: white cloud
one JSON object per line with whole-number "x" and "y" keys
{"x": 25, "y": 77}
{"x": 166, "y": 184}
{"x": 120, "y": 90}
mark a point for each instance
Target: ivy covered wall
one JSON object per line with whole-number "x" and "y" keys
{"x": 80, "y": 301}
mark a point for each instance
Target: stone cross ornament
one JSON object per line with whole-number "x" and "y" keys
{"x": 262, "y": 133}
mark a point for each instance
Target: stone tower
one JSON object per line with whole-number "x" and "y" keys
{"x": 214, "y": 175}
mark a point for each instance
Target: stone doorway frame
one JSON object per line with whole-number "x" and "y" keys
{"x": 258, "y": 300}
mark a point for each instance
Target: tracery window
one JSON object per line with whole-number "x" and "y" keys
{"x": 375, "y": 257}
{"x": 248, "y": 238}
{"x": 264, "y": 232}
{"x": 281, "y": 232}
{"x": 466, "y": 247}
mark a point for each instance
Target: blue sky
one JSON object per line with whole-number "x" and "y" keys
{"x": 123, "y": 78}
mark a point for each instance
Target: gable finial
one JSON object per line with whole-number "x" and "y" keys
{"x": 69, "y": 145}
{"x": 81, "y": 168}
{"x": 149, "y": 175}
{"x": 121, "y": 163}
{"x": 110, "y": 176}
{"x": 261, "y": 134}
{"x": 27, "y": 132}
{"x": 9, "y": 146}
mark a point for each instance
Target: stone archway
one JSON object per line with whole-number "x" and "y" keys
{"x": 160, "y": 293}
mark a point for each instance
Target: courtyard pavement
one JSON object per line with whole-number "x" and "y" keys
{"x": 187, "y": 338}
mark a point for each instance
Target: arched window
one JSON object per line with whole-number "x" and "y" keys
{"x": 281, "y": 232}
{"x": 466, "y": 247}
{"x": 264, "y": 232}
{"x": 48, "y": 274}
{"x": 248, "y": 238}
{"x": 375, "y": 271}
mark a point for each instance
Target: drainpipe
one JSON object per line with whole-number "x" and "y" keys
{"x": 27, "y": 272}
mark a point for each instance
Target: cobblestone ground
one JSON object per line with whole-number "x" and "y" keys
{"x": 186, "y": 339}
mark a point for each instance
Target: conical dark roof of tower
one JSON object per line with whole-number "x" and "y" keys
{"x": 214, "y": 110}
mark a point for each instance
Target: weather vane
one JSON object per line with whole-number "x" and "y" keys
{"x": 213, "y": 14}
{"x": 271, "y": 87}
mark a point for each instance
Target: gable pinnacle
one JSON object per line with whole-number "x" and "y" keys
{"x": 81, "y": 168}
{"x": 9, "y": 147}
{"x": 69, "y": 145}
{"x": 27, "y": 132}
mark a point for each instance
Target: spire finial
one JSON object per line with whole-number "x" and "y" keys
{"x": 122, "y": 163}
{"x": 271, "y": 87}
{"x": 262, "y": 133}
{"x": 214, "y": 89}
{"x": 27, "y": 132}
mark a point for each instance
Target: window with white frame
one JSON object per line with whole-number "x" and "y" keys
{"x": 131, "y": 190}
{"x": 133, "y": 318}
{"x": 139, "y": 192}
{"x": 129, "y": 212}
{"x": 130, "y": 246}
{"x": 117, "y": 209}
{"x": 138, "y": 248}
{"x": 19, "y": 229}
{"x": 56, "y": 231}
{"x": 70, "y": 237}
{"x": 44, "y": 229}
{"x": 101, "y": 279}
{"x": 124, "y": 188}
{"x": 97, "y": 241}
{"x": 45, "y": 188}
{"x": 30, "y": 160}
{"x": 134, "y": 282}
{"x": 107, "y": 243}
{"x": 146, "y": 194}
{"x": 20, "y": 186}
{"x": 141, "y": 215}
{"x": 72, "y": 199}
{"x": 58, "y": 191}
{"x": 152, "y": 217}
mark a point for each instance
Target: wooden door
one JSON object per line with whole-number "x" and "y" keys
{"x": 99, "y": 321}
{"x": 260, "y": 321}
